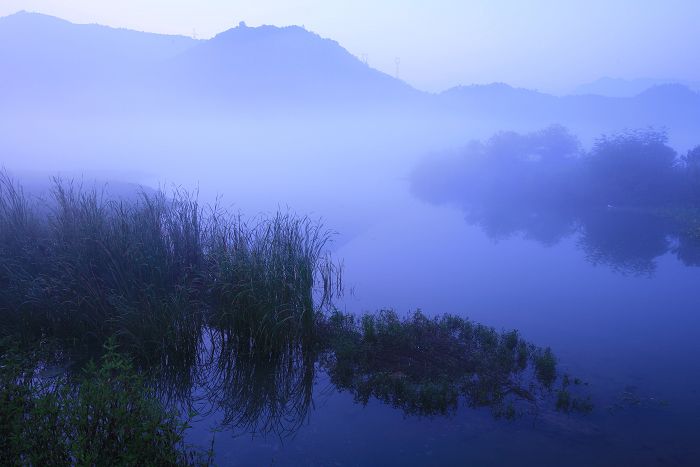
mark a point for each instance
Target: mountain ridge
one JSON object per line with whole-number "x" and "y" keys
{"x": 68, "y": 69}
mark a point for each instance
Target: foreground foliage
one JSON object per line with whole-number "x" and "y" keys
{"x": 107, "y": 416}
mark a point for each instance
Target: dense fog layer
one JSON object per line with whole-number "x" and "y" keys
{"x": 263, "y": 115}
{"x": 274, "y": 117}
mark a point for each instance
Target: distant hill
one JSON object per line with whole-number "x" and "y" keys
{"x": 616, "y": 87}
{"x": 50, "y": 58}
{"x": 65, "y": 69}
{"x": 671, "y": 106}
{"x": 274, "y": 66}
{"x": 85, "y": 67}
{"x": 496, "y": 99}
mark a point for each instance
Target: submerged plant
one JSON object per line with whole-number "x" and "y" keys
{"x": 425, "y": 365}
{"x": 568, "y": 398}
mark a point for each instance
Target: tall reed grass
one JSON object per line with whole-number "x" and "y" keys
{"x": 154, "y": 271}
{"x": 263, "y": 279}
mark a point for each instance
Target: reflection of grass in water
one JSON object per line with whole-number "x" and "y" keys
{"x": 155, "y": 274}
{"x": 423, "y": 366}
{"x": 261, "y": 392}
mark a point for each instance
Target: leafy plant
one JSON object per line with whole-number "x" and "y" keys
{"x": 107, "y": 416}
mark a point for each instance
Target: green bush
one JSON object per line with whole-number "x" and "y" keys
{"x": 107, "y": 416}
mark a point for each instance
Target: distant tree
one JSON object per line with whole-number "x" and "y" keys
{"x": 507, "y": 147}
{"x": 554, "y": 143}
{"x": 692, "y": 159}
{"x": 691, "y": 167}
{"x": 633, "y": 167}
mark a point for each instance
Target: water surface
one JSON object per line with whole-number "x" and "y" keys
{"x": 631, "y": 335}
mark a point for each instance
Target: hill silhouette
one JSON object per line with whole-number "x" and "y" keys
{"x": 280, "y": 66}
{"x": 671, "y": 106}
{"x": 618, "y": 87}
{"x": 60, "y": 68}
{"x": 55, "y": 60}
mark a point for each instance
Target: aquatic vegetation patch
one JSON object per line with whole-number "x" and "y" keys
{"x": 426, "y": 365}
{"x": 570, "y": 397}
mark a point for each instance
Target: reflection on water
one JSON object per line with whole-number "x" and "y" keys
{"x": 628, "y": 201}
{"x": 299, "y": 398}
{"x": 245, "y": 389}
{"x": 617, "y": 331}
{"x": 625, "y": 239}
{"x": 419, "y": 365}
{"x": 261, "y": 393}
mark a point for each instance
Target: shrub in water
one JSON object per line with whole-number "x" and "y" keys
{"x": 106, "y": 417}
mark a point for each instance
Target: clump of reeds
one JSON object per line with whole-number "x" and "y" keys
{"x": 154, "y": 271}
{"x": 267, "y": 280}
{"x": 83, "y": 268}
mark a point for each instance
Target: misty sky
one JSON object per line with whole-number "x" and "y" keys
{"x": 550, "y": 45}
